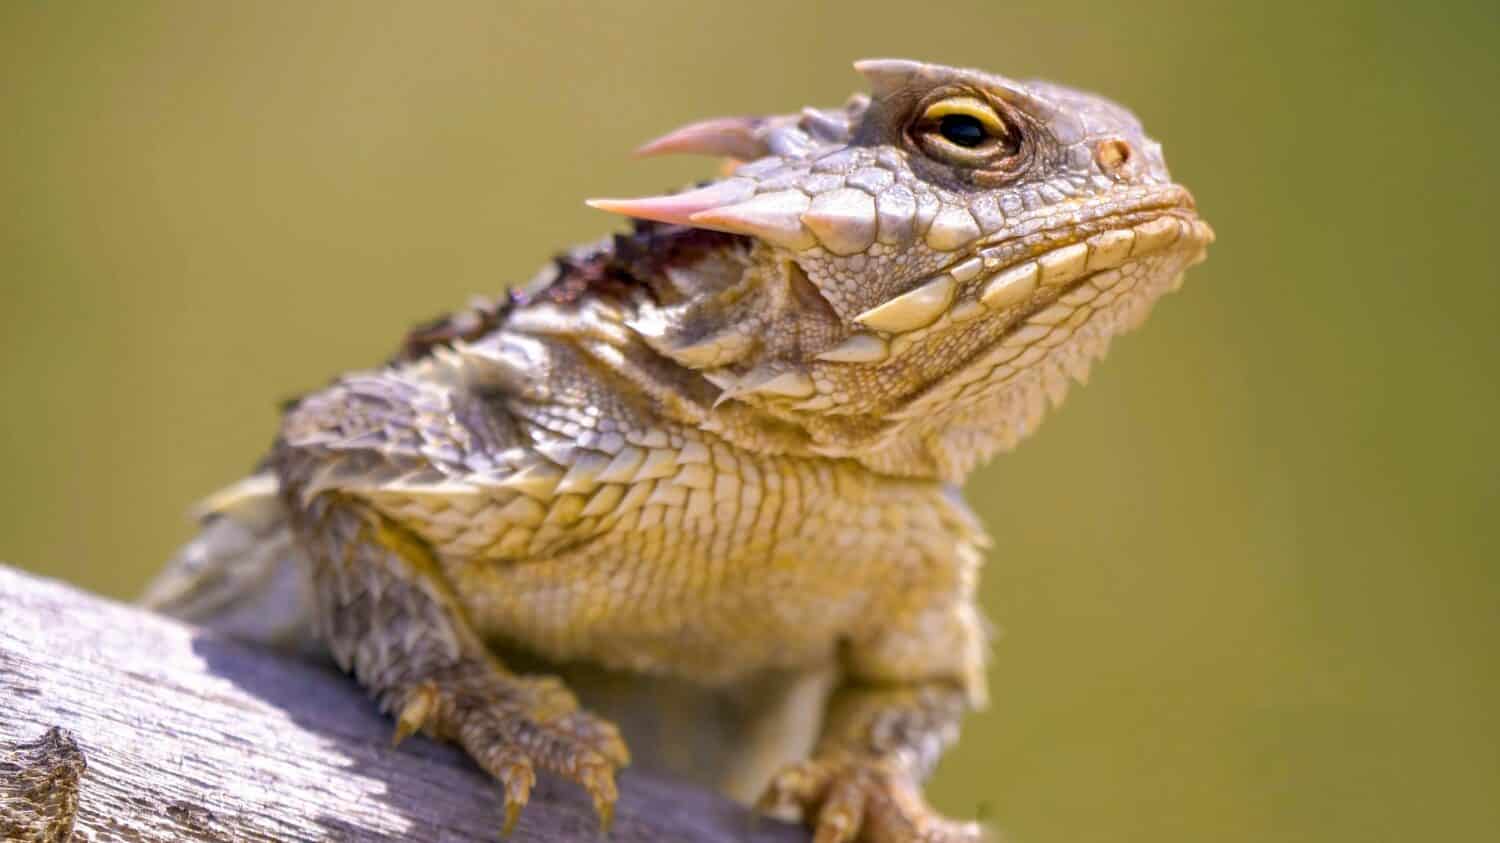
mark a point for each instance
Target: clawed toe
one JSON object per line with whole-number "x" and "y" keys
{"x": 862, "y": 800}
{"x": 517, "y": 777}
{"x": 415, "y": 712}
{"x": 599, "y": 781}
{"x": 515, "y": 727}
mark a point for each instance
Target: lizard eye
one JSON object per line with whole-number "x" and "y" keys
{"x": 962, "y": 129}
{"x": 965, "y": 131}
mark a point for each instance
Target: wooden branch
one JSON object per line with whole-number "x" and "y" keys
{"x": 173, "y": 733}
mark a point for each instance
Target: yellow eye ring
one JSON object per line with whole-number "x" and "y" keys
{"x": 966, "y": 106}
{"x": 977, "y": 138}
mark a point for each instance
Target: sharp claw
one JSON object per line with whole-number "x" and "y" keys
{"x": 606, "y": 816}
{"x": 414, "y": 712}
{"x": 842, "y": 814}
{"x": 600, "y": 783}
{"x": 532, "y": 723}
{"x": 512, "y": 816}
{"x": 517, "y": 776}
{"x": 404, "y": 729}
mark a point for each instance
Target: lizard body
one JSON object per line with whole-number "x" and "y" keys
{"x": 721, "y": 448}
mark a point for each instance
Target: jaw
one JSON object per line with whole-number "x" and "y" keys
{"x": 997, "y": 291}
{"x": 1025, "y": 316}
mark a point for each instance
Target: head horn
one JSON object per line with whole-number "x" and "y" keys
{"x": 888, "y": 76}
{"x": 733, "y": 137}
{"x": 679, "y": 208}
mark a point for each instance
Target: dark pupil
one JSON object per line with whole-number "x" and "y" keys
{"x": 962, "y": 129}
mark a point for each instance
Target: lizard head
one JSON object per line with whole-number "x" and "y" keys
{"x": 925, "y": 267}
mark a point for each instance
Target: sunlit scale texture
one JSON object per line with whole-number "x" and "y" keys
{"x": 727, "y": 444}
{"x": 1243, "y": 583}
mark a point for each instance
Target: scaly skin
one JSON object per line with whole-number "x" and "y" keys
{"x": 727, "y": 445}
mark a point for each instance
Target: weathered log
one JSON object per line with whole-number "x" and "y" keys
{"x": 173, "y": 733}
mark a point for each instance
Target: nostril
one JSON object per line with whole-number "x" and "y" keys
{"x": 1112, "y": 154}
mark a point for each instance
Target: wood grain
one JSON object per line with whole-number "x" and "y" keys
{"x": 190, "y": 736}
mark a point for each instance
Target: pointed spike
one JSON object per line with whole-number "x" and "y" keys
{"x": 537, "y": 480}
{"x": 773, "y": 217}
{"x": 693, "y": 451}
{"x": 623, "y": 466}
{"x": 659, "y": 462}
{"x": 679, "y": 208}
{"x": 1011, "y": 286}
{"x": 722, "y": 378}
{"x": 1077, "y": 365}
{"x": 826, "y": 125}
{"x": 322, "y": 479}
{"x": 242, "y": 499}
{"x": 738, "y": 385}
{"x": 792, "y": 384}
{"x": 1055, "y": 382}
{"x": 728, "y": 394}
{"x": 604, "y": 501}
{"x": 913, "y": 309}
{"x": 843, "y": 219}
{"x": 1155, "y": 235}
{"x": 1064, "y": 265}
{"x": 582, "y": 474}
{"x": 714, "y": 351}
{"x": 887, "y": 76}
{"x": 816, "y": 403}
{"x": 523, "y": 511}
{"x": 859, "y": 348}
{"x": 732, "y": 137}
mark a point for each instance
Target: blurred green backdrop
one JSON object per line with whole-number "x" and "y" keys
{"x": 1247, "y": 578}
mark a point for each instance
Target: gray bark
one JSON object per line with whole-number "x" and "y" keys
{"x": 172, "y": 733}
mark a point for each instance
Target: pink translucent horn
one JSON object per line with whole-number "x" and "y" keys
{"x": 733, "y": 137}
{"x": 679, "y": 208}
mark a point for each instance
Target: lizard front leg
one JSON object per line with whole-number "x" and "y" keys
{"x": 864, "y": 779}
{"x": 389, "y": 615}
{"x": 900, "y": 706}
{"x": 388, "y": 618}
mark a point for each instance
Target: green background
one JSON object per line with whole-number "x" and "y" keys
{"x": 1247, "y": 578}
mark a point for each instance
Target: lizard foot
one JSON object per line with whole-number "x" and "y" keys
{"x": 511, "y": 725}
{"x": 868, "y": 799}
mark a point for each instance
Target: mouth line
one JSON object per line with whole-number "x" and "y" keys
{"x": 1048, "y": 295}
{"x": 998, "y": 276}
{"x": 1042, "y": 286}
{"x": 1061, "y": 256}
{"x": 1049, "y": 238}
